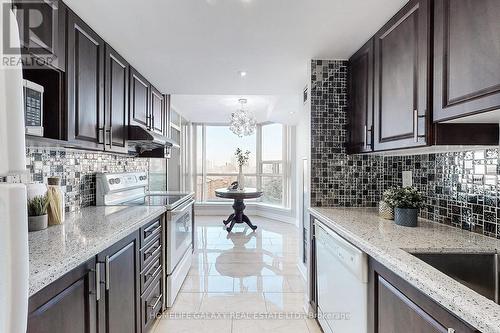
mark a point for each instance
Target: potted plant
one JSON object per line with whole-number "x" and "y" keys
{"x": 406, "y": 202}
{"x": 242, "y": 159}
{"x": 37, "y": 213}
{"x": 385, "y": 208}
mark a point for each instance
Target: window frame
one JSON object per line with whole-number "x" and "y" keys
{"x": 285, "y": 163}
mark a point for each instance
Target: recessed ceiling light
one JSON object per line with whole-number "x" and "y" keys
{"x": 292, "y": 112}
{"x": 242, "y": 73}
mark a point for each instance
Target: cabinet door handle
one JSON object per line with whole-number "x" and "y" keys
{"x": 101, "y": 130}
{"x": 415, "y": 125}
{"x": 107, "y": 272}
{"x": 365, "y": 138}
{"x": 110, "y": 135}
{"x": 156, "y": 302}
{"x": 416, "y": 118}
{"x": 97, "y": 281}
{"x": 151, "y": 252}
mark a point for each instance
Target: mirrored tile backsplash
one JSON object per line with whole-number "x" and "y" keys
{"x": 77, "y": 170}
{"x": 460, "y": 188}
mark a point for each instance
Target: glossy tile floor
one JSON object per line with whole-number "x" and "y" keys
{"x": 242, "y": 282}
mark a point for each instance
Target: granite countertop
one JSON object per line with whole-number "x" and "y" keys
{"x": 389, "y": 244}
{"x": 59, "y": 249}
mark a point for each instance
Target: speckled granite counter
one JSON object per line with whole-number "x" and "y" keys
{"x": 388, "y": 244}
{"x": 59, "y": 249}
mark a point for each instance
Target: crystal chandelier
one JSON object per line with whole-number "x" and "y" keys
{"x": 242, "y": 122}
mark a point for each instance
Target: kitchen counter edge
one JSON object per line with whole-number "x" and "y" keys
{"x": 57, "y": 250}
{"x": 386, "y": 247}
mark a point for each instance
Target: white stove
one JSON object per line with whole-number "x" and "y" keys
{"x": 130, "y": 189}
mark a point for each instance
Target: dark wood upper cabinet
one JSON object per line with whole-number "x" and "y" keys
{"x": 119, "y": 307}
{"x": 117, "y": 99}
{"x": 42, "y": 30}
{"x": 139, "y": 99}
{"x": 396, "y": 306}
{"x": 67, "y": 305}
{"x": 401, "y": 101}
{"x": 85, "y": 81}
{"x": 466, "y": 57}
{"x": 360, "y": 112}
{"x": 157, "y": 111}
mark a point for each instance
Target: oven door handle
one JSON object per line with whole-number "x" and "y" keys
{"x": 182, "y": 208}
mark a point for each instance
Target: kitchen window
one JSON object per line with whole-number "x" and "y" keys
{"x": 267, "y": 169}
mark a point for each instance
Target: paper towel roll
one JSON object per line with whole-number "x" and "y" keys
{"x": 14, "y": 261}
{"x": 12, "y": 139}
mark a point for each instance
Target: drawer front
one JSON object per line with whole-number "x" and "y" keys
{"x": 151, "y": 272}
{"x": 150, "y": 231}
{"x": 151, "y": 303}
{"x": 150, "y": 251}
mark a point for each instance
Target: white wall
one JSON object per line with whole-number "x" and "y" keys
{"x": 303, "y": 151}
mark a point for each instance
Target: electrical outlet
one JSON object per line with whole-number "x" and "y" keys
{"x": 407, "y": 178}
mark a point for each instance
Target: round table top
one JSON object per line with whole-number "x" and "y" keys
{"x": 247, "y": 193}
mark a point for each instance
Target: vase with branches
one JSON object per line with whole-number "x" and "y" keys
{"x": 242, "y": 159}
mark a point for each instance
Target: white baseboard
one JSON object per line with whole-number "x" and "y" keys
{"x": 252, "y": 209}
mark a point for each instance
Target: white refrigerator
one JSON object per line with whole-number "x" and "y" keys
{"x": 14, "y": 264}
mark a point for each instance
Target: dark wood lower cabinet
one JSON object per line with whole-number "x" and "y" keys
{"x": 110, "y": 293}
{"x": 152, "y": 282}
{"x": 313, "y": 287}
{"x": 119, "y": 306}
{"x": 151, "y": 304}
{"x": 395, "y": 306}
{"x": 67, "y": 305}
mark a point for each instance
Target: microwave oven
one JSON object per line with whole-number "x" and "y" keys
{"x": 33, "y": 108}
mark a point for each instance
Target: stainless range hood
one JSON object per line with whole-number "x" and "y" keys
{"x": 141, "y": 141}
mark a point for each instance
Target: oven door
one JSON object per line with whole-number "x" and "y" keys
{"x": 179, "y": 236}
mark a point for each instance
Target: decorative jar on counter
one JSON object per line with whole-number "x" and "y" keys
{"x": 56, "y": 201}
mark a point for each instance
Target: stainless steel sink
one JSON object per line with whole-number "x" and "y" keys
{"x": 478, "y": 271}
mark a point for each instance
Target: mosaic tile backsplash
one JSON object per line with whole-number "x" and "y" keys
{"x": 337, "y": 179}
{"x": 461, "y": 189}
{"x": 77, "y": 170}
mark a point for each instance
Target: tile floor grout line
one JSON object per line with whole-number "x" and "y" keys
{"x": 266, "y": 291}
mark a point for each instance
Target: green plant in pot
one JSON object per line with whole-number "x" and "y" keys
{"x": 37, "y": 213}
{"x": 406, "y": 202}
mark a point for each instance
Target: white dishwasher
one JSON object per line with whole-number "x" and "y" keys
{"x": 342, "y": 282}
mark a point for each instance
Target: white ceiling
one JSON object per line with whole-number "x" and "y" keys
{"x": 218, "y": 108}
{"x": 198, "y": 46}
